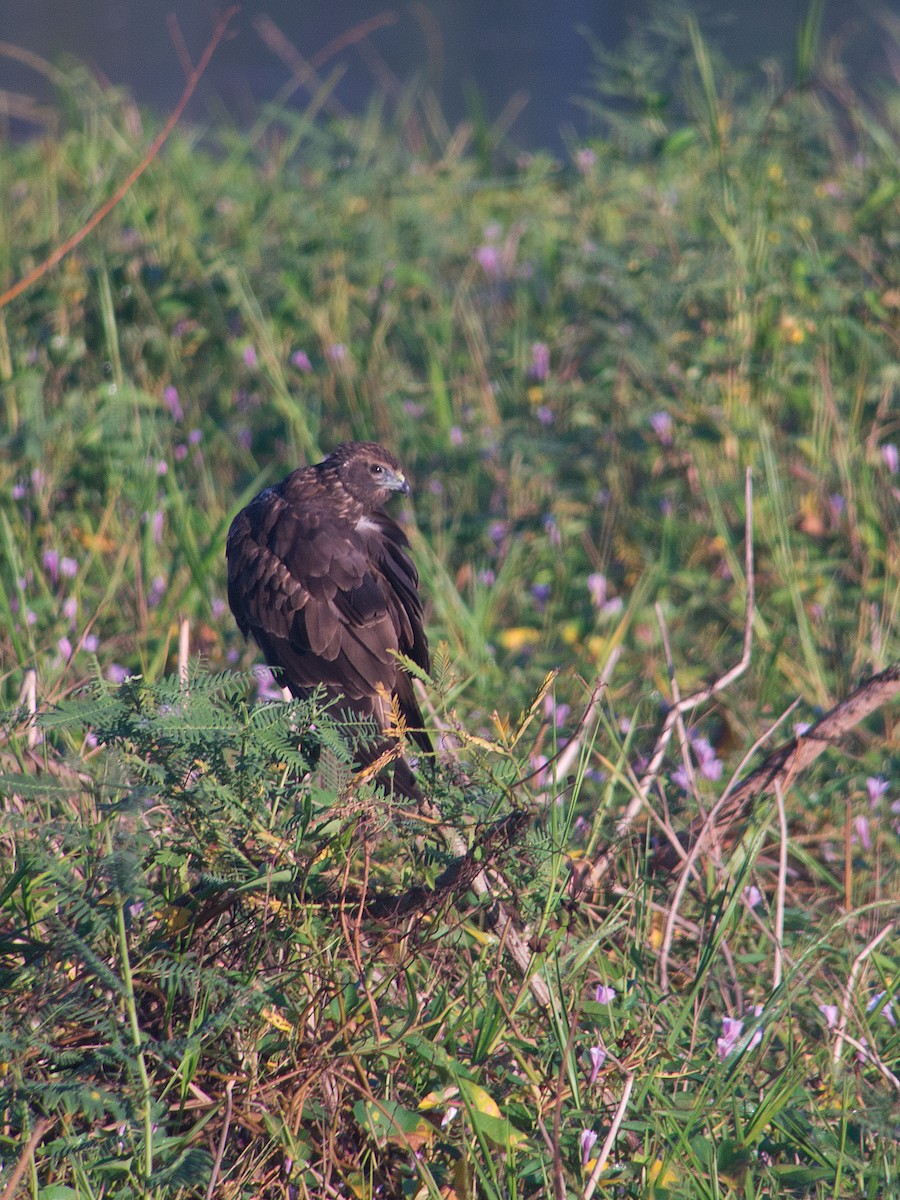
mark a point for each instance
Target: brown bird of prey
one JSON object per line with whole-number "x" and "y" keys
{"x": 320, "y": 577}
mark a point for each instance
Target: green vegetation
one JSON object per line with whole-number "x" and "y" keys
{"x": 576, "y": 364}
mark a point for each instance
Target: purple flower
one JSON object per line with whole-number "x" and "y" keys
{"x": 157, "y": 521}
{"x": 752, "y": 895}
{"x": 162, "y": 467}
{"x": 157, "y": 591}
{"x": 604, "y": 994}
{"x": 300, "y": 359}
{"x": 488, "y": 258}
{"x": 70, "y": 609}
{"x": 497, "y": 531}
{"x": 540, "y": 362}
{"x": 585, "y": 158}
{"x": 195, "y": 437}
{"x": 554, "y": 711}
{"x": 68, "y": 568}
{"x": 486, "y": 578}
{"x": 680, "y": 778}
{"x": 249, "y": 356}
{"x": 18, "y": 491}
{"x": 731, "y": 1033}
{"x": 180, "y": 452}
{"x": 598, "y": 1057}
{"x": 538, "y": 764}
{"x": 336, "y": 354}
{"x": 838, "y": 504}
{"x": 541, "y": 594}
{"x": 544, "y": 414}
{"x": 552, "y": 531}
{"x": 710, "y": 764}
{"x": 413, "y": 409}
{"x": 597, "y": 586}
{"x": 830, "y": 1013}
{"x": 116, "y": 673}
{"x": 219, "y": 607}
{"x": 51, "y": 564}
{"x": 588, "y": 1138}
{"x": 90, "y": 643}
{"x": 662, "y": 425}
{"x": 266, "y": 687}
{"x": 891, "y": 457}
{"x": 876, "y": 787}
{"x": 64, "y": 646}
{"x": 861, "y": 825}
{"x": 173, "y": 403}
{"x": 887, "y": 1011}
{"x": 456, "y": 436}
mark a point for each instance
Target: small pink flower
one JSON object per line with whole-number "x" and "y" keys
{"x": 540, "y": 362}
{"x": 300, "y": 359}
{"x": 876, "y": 787}
{"x": 51, "y": 564}
{"x": 116, "y": 673}
{"x": 604, "y": 994}
{"x": 891, "y": 457}
{"x": 173, "y": 403}
{"x": 68, "y": 568}
{"x": 663, "y": 425}
{"x": 887, "y": 1011}
{"x": 861, "y": 825}
{"x": 488, "y": 258}
{"x": 157, "y": 591}
{"x": 598, "y": 1057}
{"x": 731, "y": 1033}
{"x": 830, "y": 1013}
{"x": 64, "y": 646}
{"x": 588, "y": 1138}
{"x": 597, "y": 585}
{"x": 585, "y": 158}
{"x": 249, "y": 357}
{"x": 752, "y": 895}
{"x": 337, "y": 354}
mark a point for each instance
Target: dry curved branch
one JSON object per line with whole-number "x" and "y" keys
{"x": 784, "y": 764}
{"x": 155, "y": 146}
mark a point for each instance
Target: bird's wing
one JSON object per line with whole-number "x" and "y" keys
{"x": 327, "y": 601}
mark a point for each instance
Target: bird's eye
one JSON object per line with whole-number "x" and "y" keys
{"x": 375, "y": 469}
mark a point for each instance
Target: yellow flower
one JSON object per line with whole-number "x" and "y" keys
{"x": 519, "y": 637}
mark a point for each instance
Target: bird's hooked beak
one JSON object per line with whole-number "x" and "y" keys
{"x": 398, "y": 482}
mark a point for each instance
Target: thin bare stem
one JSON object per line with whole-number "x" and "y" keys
{"x": 850, "y": 987}
{"x": 782, "y": 887}
{"x": 131, "y": 179}
{"x": 223, "y": 1140}
{"x": 605, "y": 1152}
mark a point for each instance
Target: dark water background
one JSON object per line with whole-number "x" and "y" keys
{"x": 502, "y": 46}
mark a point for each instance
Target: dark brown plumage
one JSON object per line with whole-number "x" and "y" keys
{"x": 320, "y": 577}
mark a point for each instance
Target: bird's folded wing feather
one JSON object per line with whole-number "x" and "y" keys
{"x": 327, "y": 603}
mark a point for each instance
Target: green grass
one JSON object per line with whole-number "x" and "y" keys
{"x": 185, "y": 998}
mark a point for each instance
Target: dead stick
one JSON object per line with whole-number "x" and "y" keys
{"x": 155, "y": 146}
{"x": 25, "y": 1157}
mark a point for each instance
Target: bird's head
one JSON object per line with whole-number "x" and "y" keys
{"x": 368, "y": 472}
